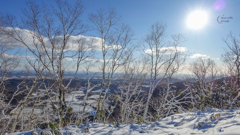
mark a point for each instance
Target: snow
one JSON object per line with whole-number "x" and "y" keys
{"x": 77, "y": 104}
{"x": 145, "y": 86}
{"x": 93, "y": 97}
{"x": 27, "y": 110}
{"x": 78, "y": 108}
{"x": 99, "y": 90}
{"x": 77, "y": 92}
{"x": 198, "y": 122}
{"x": 90, "y": 102}
{"x": 42, "y": 90}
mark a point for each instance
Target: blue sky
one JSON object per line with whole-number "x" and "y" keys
{"x": 141, "y": 14}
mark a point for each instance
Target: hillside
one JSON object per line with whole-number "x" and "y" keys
{"x": 198, "y": 122}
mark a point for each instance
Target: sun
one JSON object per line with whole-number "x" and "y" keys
{"x": 197, "y": 20}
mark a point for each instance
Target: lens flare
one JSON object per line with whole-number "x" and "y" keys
{"x": 219, "y": 5}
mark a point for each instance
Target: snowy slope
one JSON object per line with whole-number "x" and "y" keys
{"x": 200, "y": 122}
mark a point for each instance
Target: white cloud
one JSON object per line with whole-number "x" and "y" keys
{"x": 89, "y": 60}
{"x": 215, "y": 58}
{"x": 6, "y": 56}
{"x": 27, "y": 57}
{"x": 87, "y": 42}
{"x": 167, "y": 50}
{"x": 69, "y": 59}
{"x": 199, "y": 56}
{"x": 16, "y": 57}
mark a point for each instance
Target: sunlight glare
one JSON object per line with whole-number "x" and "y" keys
{"x": 197, "y": 20}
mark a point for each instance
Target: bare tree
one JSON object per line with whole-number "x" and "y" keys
{"x": 160, "y": 54}
{"x": 205, "y": 70}
{"x": 115, "y": 39}
{"x": 210, "y": 90}
{"x": 170, "y": 98}
{"x": 130, "y": 89}
{"x": 90, "y": 86}
{"x": 53, "y": 37}
{"x": 8, "y": 63}
{"x": 231, "y": 57}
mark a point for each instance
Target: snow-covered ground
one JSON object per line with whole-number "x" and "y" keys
{"x": 76, "y": 103}
{"x": 200, "y": 122}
